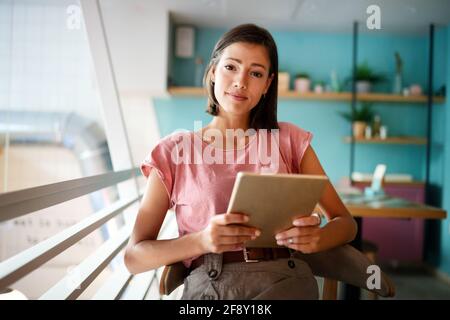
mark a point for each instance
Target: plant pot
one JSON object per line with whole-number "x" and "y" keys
{"x": 363, "y": 86}
{"x": 415, "y": 90}
{"x": 359, "y": 129}
{"x": 318, "y": 88}
{"x": 302, "y": 85}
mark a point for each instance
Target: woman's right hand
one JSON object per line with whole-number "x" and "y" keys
{"x": 226, "y": 232}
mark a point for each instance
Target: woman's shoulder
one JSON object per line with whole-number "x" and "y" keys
{"x": 171, "y": 140}
{"x": 295, "y": 141}
{"x": 290, "y": 129}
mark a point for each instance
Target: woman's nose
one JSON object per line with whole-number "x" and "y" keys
{"x": 240, "y": 81}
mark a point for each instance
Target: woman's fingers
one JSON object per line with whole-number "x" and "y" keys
{"x": 228, "y": 232}
{"x": 230, "y": 224}
{"x": 312, "y": 220}
{"x": 238, "y": 231}
{"x": 297, "y": 232}
{"x": 297, "y": 240}
{"x": 235, "y": 240}
{"x": 230, "y": 218}
{"x": 230, "y": 247}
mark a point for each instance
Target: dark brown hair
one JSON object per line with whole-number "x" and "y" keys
{"x": 264, "y": 114}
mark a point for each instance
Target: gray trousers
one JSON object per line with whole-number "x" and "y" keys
{"x": 281, "y": 279}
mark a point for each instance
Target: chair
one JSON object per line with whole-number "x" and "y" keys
{"x": 370, "y": 250}
{"x": 173, "y": 276}
{"x": 329, "y": 289}
{"x": 347, "y": 265}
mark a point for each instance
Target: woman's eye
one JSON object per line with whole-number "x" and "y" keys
{"x": 229, "y": 67}
{"x": 257, "y": 74}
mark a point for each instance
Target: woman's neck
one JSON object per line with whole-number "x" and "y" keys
{"x": 223, "y": 123}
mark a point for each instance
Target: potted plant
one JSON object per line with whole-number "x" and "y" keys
{"x": 302, "y": 82}
{"x": 359, "y": 118}
{"x": 398, "y": 83}
{"x": 365, "y": 77}
{"x": 319, "y": 87}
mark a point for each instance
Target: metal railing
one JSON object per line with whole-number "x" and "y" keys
{"x": 121, "y": 285}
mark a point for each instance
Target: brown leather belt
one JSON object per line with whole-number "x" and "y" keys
{"x": 248, "y": 255}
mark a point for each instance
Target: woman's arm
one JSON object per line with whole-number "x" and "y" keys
{"x": 144, "y": 252}
{"x": 308, "y": 236}
{"x": 341, "y": 227}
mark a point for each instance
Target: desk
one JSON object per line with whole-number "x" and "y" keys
{"x": 384, "y": 206}
{"x": 389, "y": 207}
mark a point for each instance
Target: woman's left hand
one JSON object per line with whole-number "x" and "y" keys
{"x": 304, "y": 236}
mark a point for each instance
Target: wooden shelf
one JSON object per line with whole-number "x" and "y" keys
{"x": 387, "y": 97}
{"x": 345, "y": 183}
{"x": 390, "y": 140}
{"x": 390, "y": 183}
{"x": 334, "y": 96}
{"x": 368, "y": 97}
{"x": 330, "y": 96}
{"x": 187, "y": 91}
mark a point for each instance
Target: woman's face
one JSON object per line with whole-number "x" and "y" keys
{"x": 241, "y": 77}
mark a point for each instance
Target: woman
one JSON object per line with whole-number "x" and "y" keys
{"x": 241, "y": 80}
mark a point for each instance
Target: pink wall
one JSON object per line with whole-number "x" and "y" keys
{"x": 397, "y": 239}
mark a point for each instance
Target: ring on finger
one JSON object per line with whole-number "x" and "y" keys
{"x": 319, "y": 218}
{"x": 291, "y": 240}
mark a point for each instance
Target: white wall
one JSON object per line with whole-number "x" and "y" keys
{"x": 136, "y": 42}
{"x": 138, "y": 33}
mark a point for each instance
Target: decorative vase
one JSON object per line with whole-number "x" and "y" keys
{"x": 398, "y": 86}
{"x": 302, "y": 85}
{"x": 363, "y": 86}
{"x": 415, "y": 90}
{"x": 283, "y": 81}
{"x": 318, "y": 88}
{"x": 359, "y": 129}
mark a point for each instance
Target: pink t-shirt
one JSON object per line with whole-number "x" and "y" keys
{"x": 199, "y": 177}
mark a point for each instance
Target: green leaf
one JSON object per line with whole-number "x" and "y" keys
{"x": 364, "y": 113}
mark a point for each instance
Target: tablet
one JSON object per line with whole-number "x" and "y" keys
{"x": 273, "y": 201}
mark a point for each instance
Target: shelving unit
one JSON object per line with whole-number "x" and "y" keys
{"x": 390, "y": 140}
{"x": 388, "y": 99}
{"x": 424, "y": 100}
{"x": 330, "y": 96}
{"x": 418, "y": 191}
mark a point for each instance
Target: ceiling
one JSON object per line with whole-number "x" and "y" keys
{"x": 397, "y": 16}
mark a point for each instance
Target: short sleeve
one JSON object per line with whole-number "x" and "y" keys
{"x": 299, "y": 139}
{"x": 160, "y": 159}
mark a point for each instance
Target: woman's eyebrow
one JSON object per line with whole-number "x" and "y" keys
{"x": 253, "y": 64}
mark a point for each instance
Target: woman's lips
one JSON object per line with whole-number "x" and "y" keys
{"x": 237, "y": 97}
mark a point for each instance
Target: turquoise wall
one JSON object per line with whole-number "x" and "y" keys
{"x": 318, "y": 54}
{"x": 436, "y": 234}
{"x": 444, "y": 256}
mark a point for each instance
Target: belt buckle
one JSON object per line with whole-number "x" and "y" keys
{"x": 246, "y": 257}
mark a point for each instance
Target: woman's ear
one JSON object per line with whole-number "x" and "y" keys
{"x": 213, "y": 71}
{"x": 268, "y": 83}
